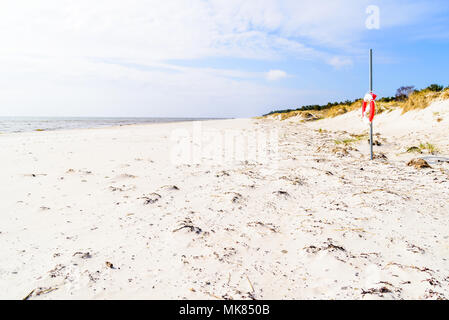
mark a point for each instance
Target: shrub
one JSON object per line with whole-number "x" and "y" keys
{"x": 403, "y": 92}
{"x": 387, "y": 99}
{"x": 435, "y": 88}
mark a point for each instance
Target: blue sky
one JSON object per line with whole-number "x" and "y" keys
{"x": 217, "y": 58}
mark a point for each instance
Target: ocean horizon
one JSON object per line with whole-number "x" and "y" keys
{"x": 27, "y": 124}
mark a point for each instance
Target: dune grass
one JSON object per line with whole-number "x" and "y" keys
{"x": 420, "y": 100}
{"x": 423, "y": 147}
{"x": 429, "y": 147}
{"x": 417, "y": 100}
{"x": 354, "y": 138}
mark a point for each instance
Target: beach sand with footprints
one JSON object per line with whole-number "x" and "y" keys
{"x": 107, "y": 213}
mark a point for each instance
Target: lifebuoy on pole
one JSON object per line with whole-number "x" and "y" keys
{"x": 369, "y": 99}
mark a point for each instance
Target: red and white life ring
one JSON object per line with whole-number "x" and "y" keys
{"x": 368, "y": 115}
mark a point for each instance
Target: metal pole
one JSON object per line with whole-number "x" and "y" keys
{"x": 371, "y": 90}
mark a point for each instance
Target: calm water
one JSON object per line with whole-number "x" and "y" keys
{"x": 22, "y": 124}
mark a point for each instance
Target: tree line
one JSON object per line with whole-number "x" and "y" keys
{"x": 402, "y": 94}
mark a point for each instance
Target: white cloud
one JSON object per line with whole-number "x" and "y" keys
{"x": 59, "y": 51}
{"x": 182, "y": 29}
{"x": 274, "y": 75}
{"x": 340, "y": 62}
{"x": 104, "y": 89}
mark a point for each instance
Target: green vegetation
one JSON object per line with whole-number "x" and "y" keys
{"x": 345, "y": 141}
{"x": 435, "y": 88}
{"x": 406, "y": 96}
{"x": 387, "y": 99}
{"x": 355, "y": 138}
{"x": 430, "y": 148}
{"x": 314, "y": 107}
{"x": 414, "y": 150}
{"x": 423, "y": 148}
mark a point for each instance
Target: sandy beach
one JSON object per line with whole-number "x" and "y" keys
{"x": 107, "y": 213}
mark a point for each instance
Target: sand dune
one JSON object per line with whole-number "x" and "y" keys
{"x": 106, "y": 213}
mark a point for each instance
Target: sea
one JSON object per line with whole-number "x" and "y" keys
{"x": 26, "y": 124}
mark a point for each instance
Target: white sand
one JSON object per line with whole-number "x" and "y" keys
{"x": 334, "y": 231}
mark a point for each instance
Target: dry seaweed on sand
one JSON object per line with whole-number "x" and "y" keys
{"x": 170, "y": 188}
{"x": 236, "y": 197}
{"x": 269, "y": 226}
{"x": 188, "y": 224}
{"x": 281, "y": 193}
{"x": 39, "y": 291}
{"x": 380, "y": 156}
{"x": 84, "y": 255}
{"x": 418, "y": 163}
{"x": 379, "y": 291}
{"x": 151, "y": 198}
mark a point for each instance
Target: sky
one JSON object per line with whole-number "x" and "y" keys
{"x": 212, "y": 58}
